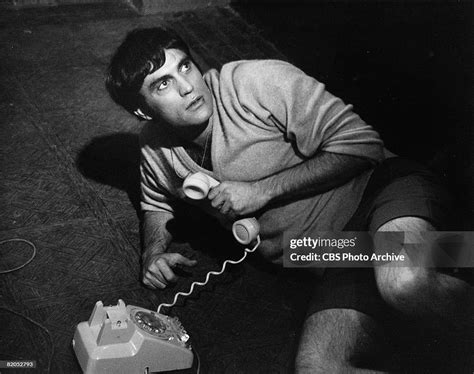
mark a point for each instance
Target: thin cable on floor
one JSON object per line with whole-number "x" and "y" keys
{"x": 24, "y": 264}
{"x": 50, "y": 360}
{"x": 198, "y": 369}
{"x": 208, "y": 276}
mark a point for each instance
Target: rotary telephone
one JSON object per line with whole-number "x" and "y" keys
{"x": 129, "y": 339}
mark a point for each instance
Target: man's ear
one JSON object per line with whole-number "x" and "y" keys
{"x": 138, "y": 112}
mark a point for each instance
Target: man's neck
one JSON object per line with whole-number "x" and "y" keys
{"x": 195, "y": 136}
{"x": 202, "y": 138}
{"x": 199, "y": 148}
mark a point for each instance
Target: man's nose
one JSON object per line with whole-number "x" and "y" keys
{"x": 185, "y": 87}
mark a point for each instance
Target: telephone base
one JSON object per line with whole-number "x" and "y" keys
{"x": 130, "y": 339}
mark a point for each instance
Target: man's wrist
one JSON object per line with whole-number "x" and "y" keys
{"x": 153, "y": 250}
{"x": 267, "y": 189}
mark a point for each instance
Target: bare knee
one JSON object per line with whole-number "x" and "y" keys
{"x": 404, "y": 288}
{"x": 399, "y": 286}
{"x": 414, "y": 289}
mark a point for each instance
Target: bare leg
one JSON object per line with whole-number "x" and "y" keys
{"x": 339, "y": 341}
{"x": 440, "y": 302}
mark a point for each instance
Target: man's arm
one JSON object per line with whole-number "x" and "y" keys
{"x": 157, "y": 265}
{"x": 316, "y": 175}
{"x": 336, "y": 143}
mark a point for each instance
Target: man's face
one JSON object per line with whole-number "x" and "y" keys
{"x": 177, "y": 93}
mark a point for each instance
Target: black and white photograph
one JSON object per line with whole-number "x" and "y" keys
{"x": 236, "y": 186}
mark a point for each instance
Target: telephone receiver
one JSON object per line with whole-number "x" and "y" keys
{"x": 196, "y": 186}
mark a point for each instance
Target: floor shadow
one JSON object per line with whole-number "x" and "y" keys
{"x": 113, "y": 160}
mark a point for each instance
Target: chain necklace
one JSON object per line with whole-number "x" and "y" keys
{"x": 202, "y": 160}
{"x": 205, "y": 148}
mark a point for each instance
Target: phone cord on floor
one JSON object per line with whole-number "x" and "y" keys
{"x": 209, "y": 275}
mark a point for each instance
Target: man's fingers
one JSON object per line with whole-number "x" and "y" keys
{"x": 213, "y": 193}
{"x": 226, "y": 208}
{"x": 152, "y": 281}
{"x": 166, "y": 272}
{"x": 179, "y": 259}
{"x": 153, "y": 284}
{"x": 218, "y": 201}
{"x": 154, "y": 277}
{"x": 160, "y": 272}
{"x": 217, "y": 196}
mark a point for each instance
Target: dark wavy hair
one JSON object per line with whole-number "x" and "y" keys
{"x": 141, "y": 53}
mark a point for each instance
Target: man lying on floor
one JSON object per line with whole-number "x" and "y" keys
{"x": 290, "y": 153}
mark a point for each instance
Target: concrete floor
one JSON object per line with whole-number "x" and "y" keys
{"x": 68, "y": 170}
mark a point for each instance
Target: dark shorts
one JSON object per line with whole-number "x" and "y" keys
{"x": 397, "y": 188}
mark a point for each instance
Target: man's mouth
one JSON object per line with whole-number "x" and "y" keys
{"x": 195, "y": 103}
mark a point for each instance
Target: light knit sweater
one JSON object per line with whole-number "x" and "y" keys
{"x": 268, "y": 115}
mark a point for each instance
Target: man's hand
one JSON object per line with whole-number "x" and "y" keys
{"x": 158, "y": 268}
{"x": 238, "y": 198}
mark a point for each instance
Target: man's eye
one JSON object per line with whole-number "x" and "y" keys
{"x": 163, "y": 85}
{"x": 186, "y": 66}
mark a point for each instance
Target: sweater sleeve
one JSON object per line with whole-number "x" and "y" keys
{"x": 281, "y": 95}
{"x": 153, "y": 196}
